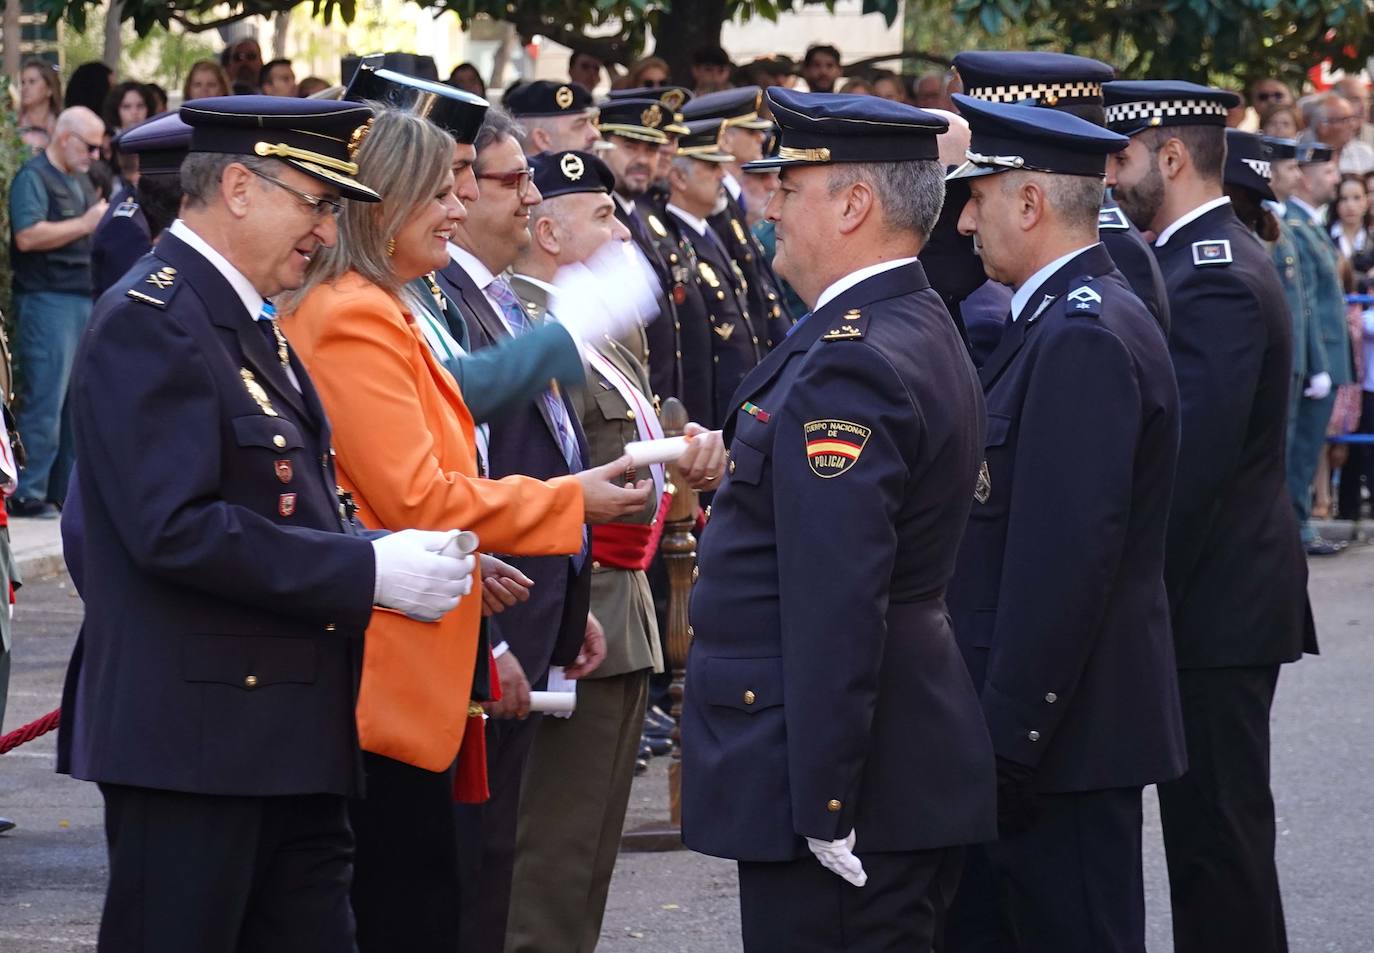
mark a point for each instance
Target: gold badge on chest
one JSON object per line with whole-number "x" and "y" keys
{"x": 256, "y": 391}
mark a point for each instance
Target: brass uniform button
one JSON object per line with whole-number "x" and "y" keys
{"x": 250, "y": 682}
{"x": 720, "y": 295}
{"x": 749, "y": 697}
{"x": 1033, "y": 735}
{"x": 278, "y": 441}
{"x": 630, "y": 414}
{"x": 833, "y": 806}
{"x": 1051, "y": 698}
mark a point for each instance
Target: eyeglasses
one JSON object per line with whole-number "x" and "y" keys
{"x": 92, "y": 149}
{"x": 1265, "y": 97}
{"x": 317, "y": 204}
{"x": 518, "y": 180}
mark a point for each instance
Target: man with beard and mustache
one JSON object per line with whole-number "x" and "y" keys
{"x": 1071, "y": 84}
{"x": 554, "y": 116}
{"x": 1234, "y": 565}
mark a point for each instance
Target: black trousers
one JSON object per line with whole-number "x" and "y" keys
{"x": 1358, "y": 465}
{"x": 405, "y": 882}
{"x": 1219, "y": 817}
{"x": 219, "y": 874}
{"x": 800, "y": 907}
{"x": 1070, "y": 884}
{"x": 486, "y": 837}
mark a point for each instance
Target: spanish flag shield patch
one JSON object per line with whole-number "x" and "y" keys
{"x": 834, "y": 446}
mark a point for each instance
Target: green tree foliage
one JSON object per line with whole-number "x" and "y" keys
{"x": 1219, "y": 41}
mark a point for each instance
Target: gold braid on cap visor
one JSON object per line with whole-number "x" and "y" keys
{"x": 283, "y": 151}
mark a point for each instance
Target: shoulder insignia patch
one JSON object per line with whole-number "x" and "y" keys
{"x": 659, "y": 228}
{"x": 1113, "y": 219}
{"x": 1214, "y": 251}
{"x": 1083, "y": 301}
{"x": 850, "y": 327}
{"x": 163, "y": 277}
{"x": 125, "y": 209}
{"x": 146, "y": 299}
{"x": 834, "y": 446}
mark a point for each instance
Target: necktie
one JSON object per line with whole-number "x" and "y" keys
{"x": 267, "y": 320}
{"x": 520, "y": 323}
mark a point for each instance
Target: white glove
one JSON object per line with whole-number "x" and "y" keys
{"x": 611, "y": 292}
{"x": 1319, "y": 386}
{"x": 413, "y": 577}
{"x": 837, "y": 856}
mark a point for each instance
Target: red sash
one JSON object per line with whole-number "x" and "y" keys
{"x": 630, "y": 545}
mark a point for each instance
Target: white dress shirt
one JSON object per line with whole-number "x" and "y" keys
{"x": 252, "y": 301}
{"x": 1184, "y": 219}
{"x": 482, "y": 277}
{"x": 854, "y": 277}
{"x": 1032, "y": 284}
{"x": 698, "y": 224}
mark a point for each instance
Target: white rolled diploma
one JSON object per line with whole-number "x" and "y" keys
{"x": 553, "y": 702}
{"x": 663, "y": 450}
{"x": 463, "y": 544}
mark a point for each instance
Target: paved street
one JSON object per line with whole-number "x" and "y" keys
{"x": 51, "y": 866}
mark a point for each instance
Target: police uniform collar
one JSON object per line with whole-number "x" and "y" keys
{"x": 1032, "y": 285}
{"x": 251, "y": 298}
{"x": 1008, "y": 137}
{"x": 1189, "y": 217}
{"x": 854, "y": 278}
{"x": 698, "y": 224}
{"x": 315, "y": 136}
{"x": 1047, "y": 79}
{"x": 822, "y": 128}
{"x": 457, "y": 112}
{"x": 1134, "y": 106}
{"x": 1302, "y": 206}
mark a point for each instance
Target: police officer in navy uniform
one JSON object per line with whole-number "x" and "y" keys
{"x": 212, "y": 687}
{"x": 1058, "y": 597}
{"x": 132, "y": 225}
{"x": 738, "y": 337}
{"x": 832, "y": 741}
{"x": 1234, "y": 565}
{"x": 739, "y": 109}
{"x": 1071, "y": 84}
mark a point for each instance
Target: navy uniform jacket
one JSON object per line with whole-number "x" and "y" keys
{"x": 825, "y": 691}
{"x": 762, "y": 291}
{"x": 1135, "y": 260}
{"x": 121, "y": 239}
{"x": 1234, "y": 564}
{"x": 1058, "y": 597}
{"x": 497, "y": 380}
{"x": 549, "y": 628}
{"x": 738, "y": 341}
{"x": 226, "y": 595}
{"x": 681, "y": 343}
{"x": 658, "y": 335}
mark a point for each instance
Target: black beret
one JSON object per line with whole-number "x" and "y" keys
{"x": 565, "y": 173}
{"x": 546, "y": 98}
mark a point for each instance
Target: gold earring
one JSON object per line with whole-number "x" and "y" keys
{"x": 390, "y": 247}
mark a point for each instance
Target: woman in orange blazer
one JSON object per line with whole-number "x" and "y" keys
{"x": 407, "y": 451}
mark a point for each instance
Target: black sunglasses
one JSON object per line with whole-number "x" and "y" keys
{"x": 1265, "y": 97}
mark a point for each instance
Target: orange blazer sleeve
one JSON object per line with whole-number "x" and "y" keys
{"x": 403, "y": 436}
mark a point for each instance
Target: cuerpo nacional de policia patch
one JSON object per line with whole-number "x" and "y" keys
{"x": 833, "y": 446}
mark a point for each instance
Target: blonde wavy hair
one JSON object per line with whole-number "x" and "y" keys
{"x": 405, "y": 159}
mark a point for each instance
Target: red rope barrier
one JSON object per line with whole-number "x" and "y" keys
{"x": 34, "y": 729}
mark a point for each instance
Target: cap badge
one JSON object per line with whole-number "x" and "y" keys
{"x": 673, "y": 99}
{"x": 564, "y": 97}
{"x": 652, "y": 117}
{"x": 355, "y": 141}
{"x": 572, "y": 167}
